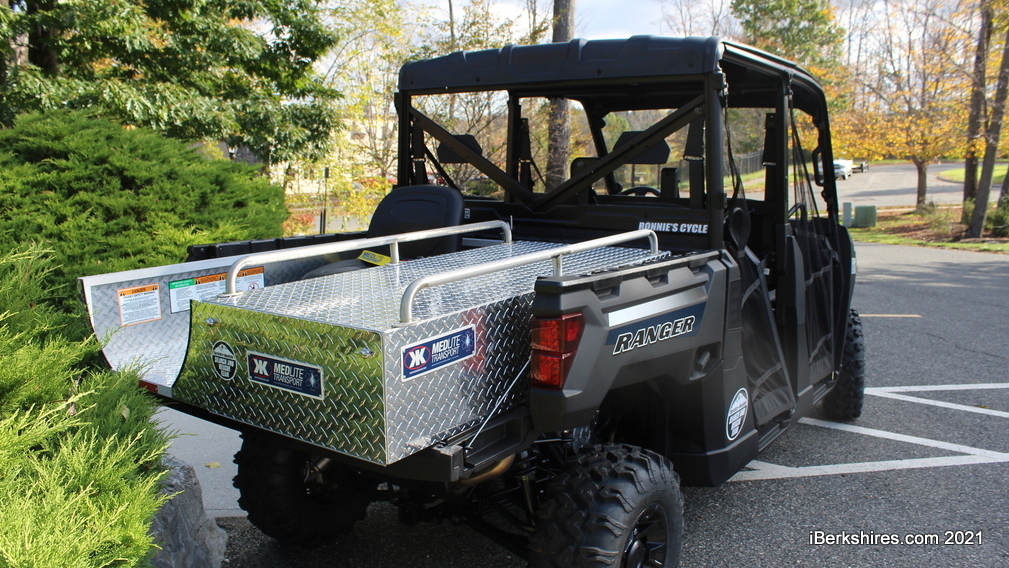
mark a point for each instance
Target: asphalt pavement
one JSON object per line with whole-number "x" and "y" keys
{"x": 909, "y": 467}
{"x": 927, "y": 460}
{"x": 897, "y": 185}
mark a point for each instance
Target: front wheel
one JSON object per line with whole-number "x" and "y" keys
{"x": 844, "y": 402}
{"x": 617, "y": 506}
{"x": 292, "y": 501}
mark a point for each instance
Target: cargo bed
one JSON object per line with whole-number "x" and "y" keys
{"x": 377, "y": 363}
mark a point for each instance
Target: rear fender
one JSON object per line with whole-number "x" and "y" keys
{"x": 664, "y": 321}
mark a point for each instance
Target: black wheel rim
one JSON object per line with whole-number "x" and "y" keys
{"x": 649, "y": 540}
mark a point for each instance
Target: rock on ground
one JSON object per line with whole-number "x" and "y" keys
{"x": 187, "y": 536}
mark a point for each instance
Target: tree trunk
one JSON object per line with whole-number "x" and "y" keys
{"x": 455, "y": 47}
{"x": 991, "y": 146}
{"x": 922, "y": 166}
{"x": 976, "y": 104}
{"x": 559, "y": 126}
{"x": 6, "y": 52}
{"x": 41, "y": 51}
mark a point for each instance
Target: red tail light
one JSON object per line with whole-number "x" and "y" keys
{"x": 554, "y": 343}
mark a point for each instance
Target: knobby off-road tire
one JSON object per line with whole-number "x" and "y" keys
{"x": 845, "y": 401}
{"x": 617, "y": 506}
{"x": 290, "y": 506}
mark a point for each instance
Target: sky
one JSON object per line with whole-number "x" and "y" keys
{"x": 594, "y": 19}
{"x": 605, "y": 19}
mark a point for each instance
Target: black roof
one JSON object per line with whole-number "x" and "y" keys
{"x": 639, "y": 56}
{"x": 553, "y": 69}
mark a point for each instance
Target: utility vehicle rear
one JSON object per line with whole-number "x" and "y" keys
{"x": 544, "y": 362}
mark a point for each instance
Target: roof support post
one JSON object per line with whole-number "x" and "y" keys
{"x": 714, "y": 95}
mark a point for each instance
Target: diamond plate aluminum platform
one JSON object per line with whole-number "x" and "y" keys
{"x": 157, "y": 347}
{"x": 386, "y": 393}
{"x": 327, "y": 360}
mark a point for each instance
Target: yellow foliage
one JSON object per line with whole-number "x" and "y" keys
{"x": 912, "y": 103}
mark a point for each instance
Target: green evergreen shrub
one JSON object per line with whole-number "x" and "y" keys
{"x": 79, "y": 455}
{"x": 105, "y": 197}
{"x": 998, "y": 220}
{"x": 38, "y": 361}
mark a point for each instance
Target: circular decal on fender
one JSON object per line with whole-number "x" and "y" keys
{"x": 225, "y": 362}
{"x": 736, "y": 415}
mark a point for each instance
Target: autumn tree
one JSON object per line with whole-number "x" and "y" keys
{"x": 915, "y": 92}
{"x": 472, "y": 26}
{"x": 992, "y": 135}
{"x": 698, "y": 18}
{"x": 364, "y": 67}
{"x": 214, "y": 69}
{"x": 801, "y": 30}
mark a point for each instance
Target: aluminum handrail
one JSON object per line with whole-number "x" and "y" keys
{"x": 556, "y": 254}
{"x": 342, "y": 246}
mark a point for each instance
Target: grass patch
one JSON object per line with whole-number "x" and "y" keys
{"x": 958, "y": 174}
{"x": 932, "y": 226}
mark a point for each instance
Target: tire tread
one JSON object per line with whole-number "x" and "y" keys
{"x": 844, "y": 401}
{"x": 579, "y": 525}
{"x": 276, "y": 502}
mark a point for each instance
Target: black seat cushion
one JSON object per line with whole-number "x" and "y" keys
{"x": 416, "y": 208}
{"x": 404, "y": 210}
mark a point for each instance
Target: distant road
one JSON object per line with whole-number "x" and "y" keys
{"x": 898, "y": 185}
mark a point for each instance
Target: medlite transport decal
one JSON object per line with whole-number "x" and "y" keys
{"x": 434, "y": 353}
{"x": 284, "y": 374}
{"x": 653, "y": 330}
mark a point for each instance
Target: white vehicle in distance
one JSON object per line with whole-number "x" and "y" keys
{"x": 843, "y": 169}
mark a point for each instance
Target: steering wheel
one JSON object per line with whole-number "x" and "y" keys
{"x": 640, "y": 190}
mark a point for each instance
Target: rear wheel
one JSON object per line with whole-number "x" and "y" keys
{"x": 617, "y": 506}
{"x": 845, "y": 401}
{"x": 292, "y": 501}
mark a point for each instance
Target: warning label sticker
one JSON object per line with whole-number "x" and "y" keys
{"x": 139, "y": 304}
{"x": 286, "y": 374}
{"x": 205, "y": 287}
{"x": 434, "y": 353}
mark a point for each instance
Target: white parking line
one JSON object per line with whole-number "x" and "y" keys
{"x": 758, "y": 470}
{"x": 939, "y": 403}
{"x": 890, "y": 392}
{"x": 928, "y": 388}
{"x": 904, "y": 438}
{"x": 762, "y": 470}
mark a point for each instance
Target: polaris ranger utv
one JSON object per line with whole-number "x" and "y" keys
{"x": 544, "y": 363}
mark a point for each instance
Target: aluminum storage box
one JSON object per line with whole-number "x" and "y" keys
{"x": 376, "y": 363}
{"x": 327, "y": 360}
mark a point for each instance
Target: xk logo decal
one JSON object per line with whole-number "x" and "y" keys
{"x": 435, "y": 353}
{"x": 417, "y": 357}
